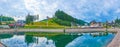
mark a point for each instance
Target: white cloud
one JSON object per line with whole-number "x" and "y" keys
{"x": 118, "y": 10}
{"x": 19, "y": 18}
{"x": 3, "y": 0}
{"x": 81, "y": 9}
{"x": 40, "y": 7}
{"x": 32, "y": 5}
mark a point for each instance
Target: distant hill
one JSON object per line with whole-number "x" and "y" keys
{"x": 5, "y": 18}
{"x": 44, "y": 22}
{"x": 61, "y": 18}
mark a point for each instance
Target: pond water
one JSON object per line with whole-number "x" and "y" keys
{"x": 66, "y": 40}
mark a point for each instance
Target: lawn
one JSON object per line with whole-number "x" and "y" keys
{"x": 45, "y": 25}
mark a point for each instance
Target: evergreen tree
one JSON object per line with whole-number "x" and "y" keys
{"x": 117, "y": 22}
{"x": 63, "y": 18}
{"x": 29, "y": 19}
{"x": 6, "y": 19}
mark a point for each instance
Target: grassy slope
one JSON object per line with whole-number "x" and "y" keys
{"x": 43, "y": 24}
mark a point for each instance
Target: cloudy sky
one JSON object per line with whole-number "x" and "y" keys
{"x": 100, "y": 10}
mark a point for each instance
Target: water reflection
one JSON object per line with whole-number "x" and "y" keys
{"x": 62, "y": 40}
{"x": 4, "y": 36}
{"x": 91, "y": 41}
{"x": 69, "y": 40}
{"x": 28, "y": 41}
{"x": 99, "y": 34}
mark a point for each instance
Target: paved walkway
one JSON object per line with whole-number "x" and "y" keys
{"x": 1, "y": 45}
{"x": 116, "y": 41}
{"x": 56, "y": 30}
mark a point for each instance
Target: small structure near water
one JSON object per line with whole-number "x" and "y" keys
{"x": 96, "y": 24}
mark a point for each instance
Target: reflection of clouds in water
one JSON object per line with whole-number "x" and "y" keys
{"x": 15, "y": 41}
{"x": 19, "y": 41}
{"x": 44, "y": 42}
{"x": 89, "y": 41}
{"x": 79, "y": 40}
{"x": 76, "y": 42}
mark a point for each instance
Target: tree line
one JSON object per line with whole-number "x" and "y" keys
{"x": 63, "y": 18}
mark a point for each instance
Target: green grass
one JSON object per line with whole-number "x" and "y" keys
{"x": 43, "y": 34}
{"x": 43, "y": 25}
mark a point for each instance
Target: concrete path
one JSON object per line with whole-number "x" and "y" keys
{"x": 56, "y": 30}
{"x": 116, "y": 41}
{"x": 90, "y": 30}
{"x": 1, "y": 45}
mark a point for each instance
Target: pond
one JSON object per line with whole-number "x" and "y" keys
{"x": 62, "y": 40}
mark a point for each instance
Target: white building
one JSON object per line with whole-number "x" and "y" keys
{"x": 95, "y": 24}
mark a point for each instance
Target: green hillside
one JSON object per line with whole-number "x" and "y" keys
{"x": 61, "y": 18}
{"x": 6, "y": 20}
{"x": 44, "y": 24}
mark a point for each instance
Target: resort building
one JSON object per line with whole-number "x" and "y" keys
{"x": 96, "y": 24}
{"x": 112, "y": 24}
